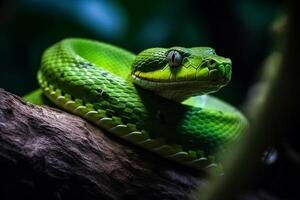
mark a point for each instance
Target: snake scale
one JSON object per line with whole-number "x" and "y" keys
{"x": 156, "y": 100}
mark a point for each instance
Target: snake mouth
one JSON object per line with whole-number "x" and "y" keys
{"x": 216, "y": 74}
{"x": 201, "y": 83}
{"x": 186, "y": 82}
{"x": 203, "y": 78}
{"x": 179, "y": 90}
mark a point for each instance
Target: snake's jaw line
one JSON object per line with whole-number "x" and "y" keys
{"x": 94, "y": 80}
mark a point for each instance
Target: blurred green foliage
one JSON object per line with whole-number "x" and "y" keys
{"x": 238, "y": 29}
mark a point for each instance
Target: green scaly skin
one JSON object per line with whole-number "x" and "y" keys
{"x": 138, "y": 98}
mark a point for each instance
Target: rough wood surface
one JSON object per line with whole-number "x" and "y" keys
{"x": 46, "y": 153}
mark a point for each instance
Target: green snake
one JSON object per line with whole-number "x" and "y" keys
{"x": 155, "y": 100}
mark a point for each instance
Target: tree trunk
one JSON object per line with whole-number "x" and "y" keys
{"x": 46, "y": 153}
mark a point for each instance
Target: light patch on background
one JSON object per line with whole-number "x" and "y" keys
{"x": 102, "y": 17}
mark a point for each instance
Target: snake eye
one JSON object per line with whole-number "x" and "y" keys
{"x": 174, "y": 58}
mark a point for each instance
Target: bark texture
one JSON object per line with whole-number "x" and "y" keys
{"x": 46, "y": 153}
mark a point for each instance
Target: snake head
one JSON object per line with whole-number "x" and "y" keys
{"x": 178, "y": 73}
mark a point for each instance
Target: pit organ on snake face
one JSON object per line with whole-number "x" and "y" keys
{"x": 178, "y": 73}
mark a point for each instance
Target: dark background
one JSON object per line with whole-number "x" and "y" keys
{"x": 239, "y": 29}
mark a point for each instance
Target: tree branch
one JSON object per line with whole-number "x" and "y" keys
{"x": 46, "y": 153}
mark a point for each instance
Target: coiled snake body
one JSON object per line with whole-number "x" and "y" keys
{"x": 151, "y": 100}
